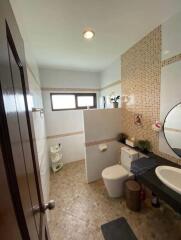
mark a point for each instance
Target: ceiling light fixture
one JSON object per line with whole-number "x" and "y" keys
{"x": 88, "y": 34}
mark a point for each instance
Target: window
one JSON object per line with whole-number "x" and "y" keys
{"x": 60, "y": 101}
{"x": 70, "y": 101}
{"x": 84, "y": 101}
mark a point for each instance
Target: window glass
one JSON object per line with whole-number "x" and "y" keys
{"x": 63, "y": 101}
{"x": 66, "y": 101}
{"x": 85, "y": 101}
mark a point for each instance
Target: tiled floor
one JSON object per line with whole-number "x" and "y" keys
{"x": 81, "y": 208}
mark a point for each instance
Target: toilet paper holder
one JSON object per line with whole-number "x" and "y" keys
{"x": 103, "y": 147}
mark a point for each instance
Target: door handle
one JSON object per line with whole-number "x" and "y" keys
{"x": 50, "y": 206}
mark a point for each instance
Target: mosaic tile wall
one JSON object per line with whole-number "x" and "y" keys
{"x": 141, "y": 78}
{"x": 141, "y": 74}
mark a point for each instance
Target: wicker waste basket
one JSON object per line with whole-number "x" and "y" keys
{"x": 132, "y": 192}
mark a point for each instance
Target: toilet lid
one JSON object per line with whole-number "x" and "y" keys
{"x": 114, "y": 172}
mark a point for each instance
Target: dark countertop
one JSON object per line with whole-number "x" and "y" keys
{"x": 151, "y": 180}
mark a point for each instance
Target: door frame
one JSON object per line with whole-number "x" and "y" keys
{"x": 10, "y": 27}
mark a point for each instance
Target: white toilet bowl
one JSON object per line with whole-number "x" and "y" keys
{"x": 115, "y": 176}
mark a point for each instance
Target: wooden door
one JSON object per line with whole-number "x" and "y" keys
{"x": 8, "y": 223}
{"x": 17, "y": 137}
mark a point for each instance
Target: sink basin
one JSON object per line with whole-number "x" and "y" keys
{"x": 170, "y": 176}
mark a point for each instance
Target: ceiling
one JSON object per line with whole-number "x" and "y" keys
{"x": 55, "y": 27}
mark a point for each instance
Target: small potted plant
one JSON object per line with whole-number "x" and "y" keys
{"x": 143, "y": 145}
{"x": 122, "y": 138}
{"x": 115, "y": 100}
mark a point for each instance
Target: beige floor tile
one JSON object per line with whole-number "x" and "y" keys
{"x": 81, "y": 208}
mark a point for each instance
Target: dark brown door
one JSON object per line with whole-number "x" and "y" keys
{"x": 17, "y": 135}
{"x": 7, "y": 214}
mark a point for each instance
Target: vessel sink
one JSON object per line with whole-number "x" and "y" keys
{"x": 170, "y": 176}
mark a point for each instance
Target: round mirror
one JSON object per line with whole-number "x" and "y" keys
{"x": 172, "y": 129}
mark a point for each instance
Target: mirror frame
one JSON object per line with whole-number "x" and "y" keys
{"x": 164, "y": 128}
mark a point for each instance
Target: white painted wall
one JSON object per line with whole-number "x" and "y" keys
{"x": 40, "y": 133}
{"x": 110, "y": 75}
{"x": 171, "y": 37}
{"x": 35, "y": 91}
{"x": 63, "y": 122}
{"x": 99, "y": 125}
{"x": 61, "y": 78}
{"x": 170, "y": 74}
{"x": 68, "y": 121}
{"x": 170, "y": 96}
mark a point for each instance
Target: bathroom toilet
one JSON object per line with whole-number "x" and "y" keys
{"x": 115, "y": 176}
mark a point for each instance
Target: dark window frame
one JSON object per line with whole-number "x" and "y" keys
{"x": 94, "y": 95}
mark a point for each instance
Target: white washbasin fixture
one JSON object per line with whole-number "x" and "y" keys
{"x": 170, "y": 176}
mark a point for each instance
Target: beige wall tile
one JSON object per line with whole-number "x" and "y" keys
{"x": 141, "y": 78}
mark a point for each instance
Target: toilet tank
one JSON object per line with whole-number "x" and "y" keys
{"x": 127, "y": 156}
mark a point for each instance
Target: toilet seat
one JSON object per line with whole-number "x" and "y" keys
{"x": 114, "y": 172}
